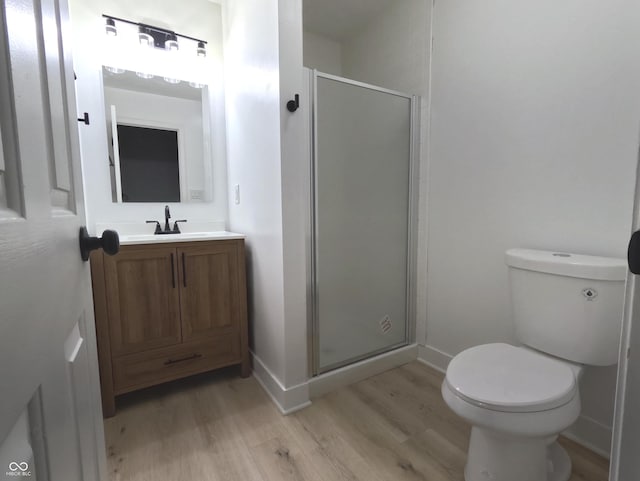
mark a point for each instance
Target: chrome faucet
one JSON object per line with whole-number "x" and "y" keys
{"x": 167, "y": 227}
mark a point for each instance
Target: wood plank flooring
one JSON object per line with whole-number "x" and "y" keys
{"x": 218, "y": 427}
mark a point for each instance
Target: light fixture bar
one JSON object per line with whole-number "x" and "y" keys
{"x": 152, "y": 29}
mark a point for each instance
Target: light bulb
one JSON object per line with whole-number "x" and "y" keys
{"x": 201, "y": 51}
{"x": 171, "y": 43}
{"x": 144, "y": 37}
{"x": 114, "y": 70}
{"x": 110, "y": 27}
{"x": 144, "y": 75}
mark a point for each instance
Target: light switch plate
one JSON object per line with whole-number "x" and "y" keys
{"x": 196, "y": 194}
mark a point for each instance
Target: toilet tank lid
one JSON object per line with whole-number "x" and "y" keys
{"x": 566, "y": 264}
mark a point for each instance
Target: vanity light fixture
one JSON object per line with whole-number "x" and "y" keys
{"x": 110, "y": 27}
{"x": 201, "y": 51}
{"x": 151, "y": 36}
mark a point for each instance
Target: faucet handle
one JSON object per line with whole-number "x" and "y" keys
{"x": 176, "y": 229}
{"x": 158, "y": 228}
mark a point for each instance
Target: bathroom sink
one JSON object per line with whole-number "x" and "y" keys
{"x": 182, "y": 237}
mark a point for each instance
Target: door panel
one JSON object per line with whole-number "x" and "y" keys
{"x": 44, "y": 285}
{"x": 56, "y": 111}
{"x": 209, "y": 290}
{"x": 77, "y": 352}
{"x": 10, "y": 191}
{"x": 144, "y": 310}
{"x": 625, "y": 463}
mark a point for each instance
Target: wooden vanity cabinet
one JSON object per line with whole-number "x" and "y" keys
{"x": 166, "y": 311}
{"x": 143, "y": 304}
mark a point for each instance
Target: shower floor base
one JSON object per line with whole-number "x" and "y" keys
{"x": 332, "y": 380}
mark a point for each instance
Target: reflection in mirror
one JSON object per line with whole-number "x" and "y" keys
{"x": 144, "y": 150}
{"x": 156, "y": 138}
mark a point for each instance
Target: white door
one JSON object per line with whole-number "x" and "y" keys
{"x": 625, "y": 462}
{"x": 50, "y": 413}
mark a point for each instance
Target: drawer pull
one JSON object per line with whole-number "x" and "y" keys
{"x": 173, "y": 273}
{"x": 189, "y": 358}
{"x": 184, "y": 271}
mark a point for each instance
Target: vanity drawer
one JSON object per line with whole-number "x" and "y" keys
{"x": 137, "y": 371}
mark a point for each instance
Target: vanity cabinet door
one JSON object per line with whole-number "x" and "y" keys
{"x": 210, "y": 290}
{"x": 143, "y": 299}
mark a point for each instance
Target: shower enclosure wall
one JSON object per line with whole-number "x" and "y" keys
{"x": 362, "y": 220}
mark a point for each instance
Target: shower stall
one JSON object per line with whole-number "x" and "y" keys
{"x": 363, "y": 220}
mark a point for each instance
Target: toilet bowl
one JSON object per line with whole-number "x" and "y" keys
{"x": 567, "y": 312}
{"x": 517, "y": 401}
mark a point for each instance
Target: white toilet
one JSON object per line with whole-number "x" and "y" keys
{"x": 567, "y": 312}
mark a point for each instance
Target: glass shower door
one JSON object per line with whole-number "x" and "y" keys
{"x": 361, "y": 192}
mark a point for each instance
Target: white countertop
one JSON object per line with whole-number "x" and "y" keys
{"x": 131, "y": 239}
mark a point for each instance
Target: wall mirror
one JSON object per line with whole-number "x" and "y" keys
{"x": 158, "y": 130}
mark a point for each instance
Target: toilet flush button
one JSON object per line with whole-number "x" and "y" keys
{"x": 590, "y": 293}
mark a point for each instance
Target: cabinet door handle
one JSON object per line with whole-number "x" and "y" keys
{"x": 173, "y": 272}
{"x": 184, "y": 271}
{"x": 168, "y": 362}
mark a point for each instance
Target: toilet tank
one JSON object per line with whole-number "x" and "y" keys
{"x": 568, "y": 305}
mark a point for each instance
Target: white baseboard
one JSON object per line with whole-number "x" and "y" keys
{"x": 434, "y": 358}
{"x": 330, "y": 381}
{"x": 585, "y": 431}
{"x": 288, "y": 400}
{"x": 591, "y": 434}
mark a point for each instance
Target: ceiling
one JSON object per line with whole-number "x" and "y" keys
{"x": 338, "y": 19}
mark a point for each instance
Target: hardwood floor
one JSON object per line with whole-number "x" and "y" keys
{"x": 218, "y": 427}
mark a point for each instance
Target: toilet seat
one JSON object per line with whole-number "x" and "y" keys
{"x": 505, "y": 378}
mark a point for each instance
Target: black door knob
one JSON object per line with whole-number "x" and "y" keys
{"x": 633, "y": 253}
{"x": 109, "y": 242}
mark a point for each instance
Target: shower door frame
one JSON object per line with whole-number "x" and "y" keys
{"x": 412, "y": 227}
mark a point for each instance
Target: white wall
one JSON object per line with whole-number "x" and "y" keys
{"x": 393, "y": 51}
{"x": 295, "y": 193}
{"x": 198, "y": 18}
{"x": 322, "y": 53}
{"x": 253, "y": 143}
{"x": 535, "y": 117}
{"x": 263, "y": 71}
